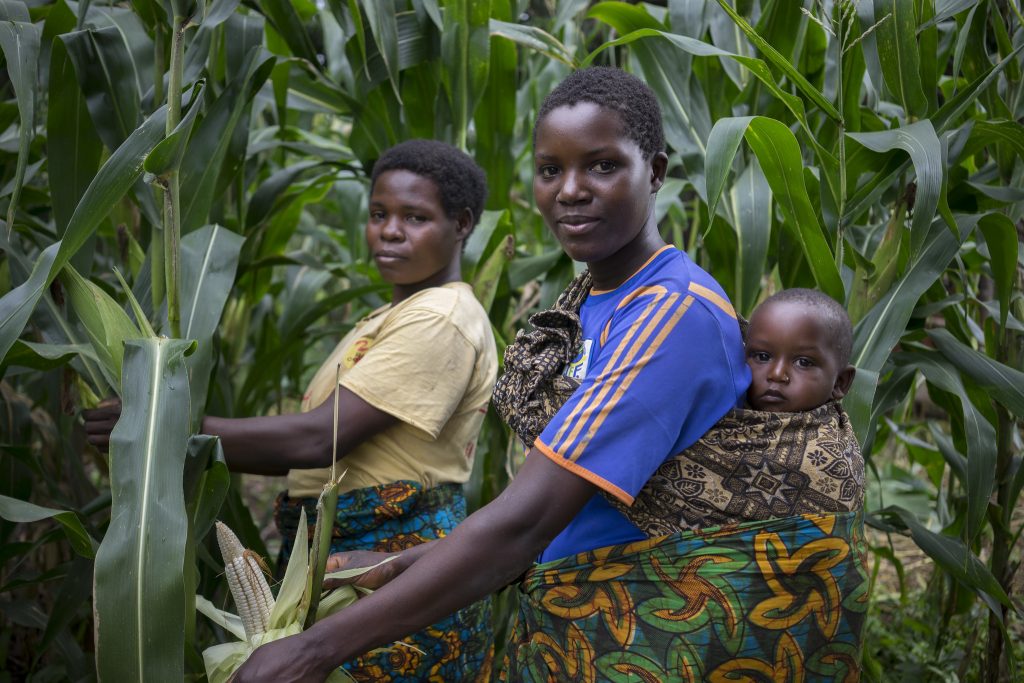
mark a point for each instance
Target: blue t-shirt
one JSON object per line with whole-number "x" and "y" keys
{"x": 662, "y": 360}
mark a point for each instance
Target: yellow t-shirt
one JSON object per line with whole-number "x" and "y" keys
{"x": 431, "y": 362}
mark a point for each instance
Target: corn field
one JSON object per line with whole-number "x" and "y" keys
{"x": 183, "y": 194}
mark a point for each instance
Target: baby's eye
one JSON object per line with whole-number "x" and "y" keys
{"x": 804, "y": 363}
{"x": 377, "y": 215}
{"x": 605, "y": 166}
{"x": 415, "y": 218}
{"x": 760, "y": 356}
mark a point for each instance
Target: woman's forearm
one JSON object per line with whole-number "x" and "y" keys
{"x": 269, "y": 445}
{"x": 278, "y": 443}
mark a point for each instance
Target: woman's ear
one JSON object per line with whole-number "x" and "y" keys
{"x": 844, "y": 380}
{"x": 659, "y": 166}
{"x": 464, "y": 223}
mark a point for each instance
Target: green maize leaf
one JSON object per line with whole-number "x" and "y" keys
{"x": 288, "y": 23}
{"x": 488, "y": 275}
{"x": 780, "y": 62}
{"x": 140, "y": 315}
{"x": 167, "y": 155}
{"x": 878, "y": 332}
{"x": 209, "y": 260}
{"x": 73, "y": 148}
{"x": 37, "y": 356}
{"x": 139, "y": 605}
{"x": 779, "y": 155}
{"x": 106, "y": 76}
{"x": 205, "y": 483}
{"x": 534, "y": 38}
{"x": 953, "y": 556}
{"x": 751, "y": 199}
{"x": 14, "y": 10}
{"x": 21, "y": 511}
{"x": 106, "y": 323}
{"x": 114, "y": 179}
{"x": 216, "y": 12}
{"x": 211, "y": 139}
{"x": 980, "y": 435}
{"x": 20, "y": 43}
{"x": 1004, "y": 383}
{"x": 922, "y": 144}
{"x": 899, "y": 55}
{"x": 1001, "y": 238}
{"x": 384, "y": 31}
{"x": 465, "y": 50}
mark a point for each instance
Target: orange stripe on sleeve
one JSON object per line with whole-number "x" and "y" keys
{"x": 713, "y": 297}
{"x": 634, "y": 329}
{"x": 598, "y": 481}
{"x": 628, "y": 380}
{"x": 612, "y": 371}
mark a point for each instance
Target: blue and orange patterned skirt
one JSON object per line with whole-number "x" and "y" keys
{"x": 390, "y": 518}
{"x": 782, "y": 600}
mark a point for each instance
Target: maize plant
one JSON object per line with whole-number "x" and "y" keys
{"x": 198, "y": 170}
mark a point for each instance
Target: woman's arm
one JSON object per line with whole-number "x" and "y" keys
{"x": 277, "y": 443}
{"x": 484, "y": 553}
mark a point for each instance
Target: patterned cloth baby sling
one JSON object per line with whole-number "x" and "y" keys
{"x": 756, "y": 560}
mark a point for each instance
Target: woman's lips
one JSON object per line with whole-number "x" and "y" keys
{"x": 576, "y": 225}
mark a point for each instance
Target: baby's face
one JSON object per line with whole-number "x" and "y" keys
{"x": 793, "y": 363}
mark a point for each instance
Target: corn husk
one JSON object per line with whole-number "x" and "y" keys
{"x": 299, "y": 602}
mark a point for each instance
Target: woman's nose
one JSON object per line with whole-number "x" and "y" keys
{"x": 391, "y": 230}
{"x": 573, "y": 189}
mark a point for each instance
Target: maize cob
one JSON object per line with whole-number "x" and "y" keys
{"x": 248, "y": 585}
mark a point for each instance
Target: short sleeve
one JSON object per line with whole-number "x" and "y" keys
{"x": 665, "y": 373}
{"x": 418, "y": 370}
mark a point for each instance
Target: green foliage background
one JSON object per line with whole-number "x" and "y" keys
{"x": 197, "y": 170}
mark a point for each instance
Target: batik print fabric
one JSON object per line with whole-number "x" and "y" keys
{"x": 776, "y": 601}
{"x": 754, "y": 465}
{"x": 391, "y": 518}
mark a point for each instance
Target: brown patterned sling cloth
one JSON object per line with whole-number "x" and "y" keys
{"x": 751, "y": 466}
{"x": 532, "y": 387}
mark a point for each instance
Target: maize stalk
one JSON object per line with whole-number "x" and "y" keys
{"x": 248, "y": 585}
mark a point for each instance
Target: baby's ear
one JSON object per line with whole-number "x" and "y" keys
{"x": 843, "y": 382}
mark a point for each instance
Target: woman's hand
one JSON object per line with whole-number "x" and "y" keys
{"x": 100, "y": 421}
{"x": 288, "y": 660}
{"x": 355, "y": 559}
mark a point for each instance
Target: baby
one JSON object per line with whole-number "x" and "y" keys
{"x": 798, "y": 350}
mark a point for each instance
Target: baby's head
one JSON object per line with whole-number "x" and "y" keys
{"x": 798, "y": 350}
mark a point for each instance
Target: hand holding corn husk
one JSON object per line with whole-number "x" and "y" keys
{"x": 262, "y": 618}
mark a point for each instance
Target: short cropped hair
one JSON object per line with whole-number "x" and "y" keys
{"x": 835, "y": 317}
{"x": 461, "y": 183}
{"x": 617, "y": 91}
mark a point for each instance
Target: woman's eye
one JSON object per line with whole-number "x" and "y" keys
{"x": 376, "y": 215}
{"x": 417, "y": 219}
{"x": 547, "y": 171}
{"x": 604, "y": 166}
{"x": 760, "y": 356}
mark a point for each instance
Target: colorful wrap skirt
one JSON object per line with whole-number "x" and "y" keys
{"x": 781, "y": 600}
{"x": 390, "y": 518}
